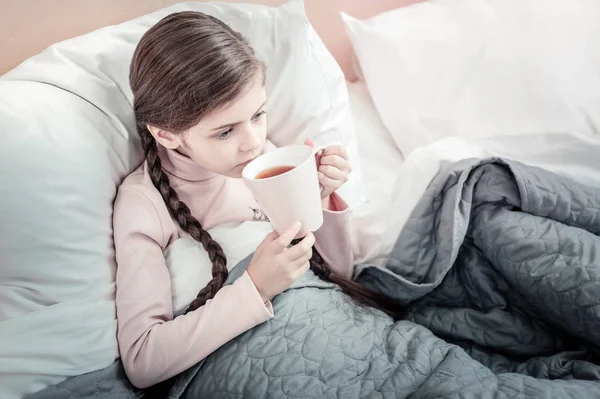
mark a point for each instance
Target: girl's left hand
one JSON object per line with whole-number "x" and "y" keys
{"x": 333, "y": 168}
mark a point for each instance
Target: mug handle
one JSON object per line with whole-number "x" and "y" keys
{"x": 316, "y": 150}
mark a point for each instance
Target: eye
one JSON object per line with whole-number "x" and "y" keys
{"x": 259, "y": 115}
{"x": 224, "y": 135}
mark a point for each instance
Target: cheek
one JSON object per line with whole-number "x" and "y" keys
{"x": 224, "y": 152}
{"x": 264, "y": 124}
{"x": 203, "y": 150}
{"x": 196, "y": 146}
{"x": 263, "y": 129}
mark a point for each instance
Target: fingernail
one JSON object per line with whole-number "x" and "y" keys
{"x": 297, "y": 225}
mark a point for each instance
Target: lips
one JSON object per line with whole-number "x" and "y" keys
{"x": 247, "y": 162}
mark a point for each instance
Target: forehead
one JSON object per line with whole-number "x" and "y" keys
{"x": 239, "y": 110}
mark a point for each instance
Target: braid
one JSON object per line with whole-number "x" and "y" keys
{"x": 181, "y": 213}
{"x": 319, "y": 267}
{"x": 358, "y": 292}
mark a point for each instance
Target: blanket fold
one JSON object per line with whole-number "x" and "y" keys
{"x": 498, "y": 269}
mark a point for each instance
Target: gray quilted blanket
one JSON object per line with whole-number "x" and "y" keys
{"x": 499, "y": 267}
{"x": 499, "y": 271}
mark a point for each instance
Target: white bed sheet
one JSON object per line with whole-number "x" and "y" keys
{"x": 394, "y": 185}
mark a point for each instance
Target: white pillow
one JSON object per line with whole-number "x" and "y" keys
{"x": 444, "y": 68}
{"x": 68, "y": 140}
{"x": 381, "y": 162}
{"x": 189, "y": 265}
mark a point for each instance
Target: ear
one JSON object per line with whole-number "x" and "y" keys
{"x": 165, "y": 138}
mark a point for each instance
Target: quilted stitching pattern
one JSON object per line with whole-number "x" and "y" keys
{"x": 108, "y": 383}
{"x": 334, "y": 349}
{"x": 499, "y": 266}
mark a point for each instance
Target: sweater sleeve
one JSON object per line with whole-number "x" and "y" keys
{"x": 333, "y": 238}
{"x": 154, "y": 345}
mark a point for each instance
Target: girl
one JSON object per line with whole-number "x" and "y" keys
{"x": 199, "y": 100}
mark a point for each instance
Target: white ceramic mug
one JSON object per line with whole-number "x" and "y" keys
{"x": 291, "y": 196}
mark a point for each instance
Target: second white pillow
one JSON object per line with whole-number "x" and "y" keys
{"x": 475, "y": 68}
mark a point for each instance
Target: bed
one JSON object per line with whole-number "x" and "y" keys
{"x": 475, "y": 204}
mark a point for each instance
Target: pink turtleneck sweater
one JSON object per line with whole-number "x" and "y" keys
{"x": 154, "y": 345}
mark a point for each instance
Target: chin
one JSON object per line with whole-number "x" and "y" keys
{"x": 235, "y": 173}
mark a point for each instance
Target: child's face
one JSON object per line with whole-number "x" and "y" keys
{"x": 227, "y": 139}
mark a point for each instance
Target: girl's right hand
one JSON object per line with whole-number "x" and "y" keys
{"x": 274, "y": 266}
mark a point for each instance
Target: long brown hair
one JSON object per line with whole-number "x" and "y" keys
{"x": 185, "y": 67}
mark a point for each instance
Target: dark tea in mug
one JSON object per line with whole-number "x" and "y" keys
{"x": 273, "y": 171}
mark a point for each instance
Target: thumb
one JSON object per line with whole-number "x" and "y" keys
{"x": 309, "y": 142}
{"x": 312, "y": 143}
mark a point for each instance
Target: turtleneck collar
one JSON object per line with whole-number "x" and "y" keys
{"x": 181, "y": 166}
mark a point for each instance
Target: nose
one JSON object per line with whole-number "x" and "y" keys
{"x": 252, "y": 140}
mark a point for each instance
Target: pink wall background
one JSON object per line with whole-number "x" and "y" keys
{"x": 28, "y": 27}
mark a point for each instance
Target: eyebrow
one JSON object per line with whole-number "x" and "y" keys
{"x": 237, "y": 123}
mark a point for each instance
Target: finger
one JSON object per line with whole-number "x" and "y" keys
{"x": 337, "y": 161}
{"x": 300, "y": 249}
{"x": 333, "y": 173}
{"x": 328, "y": 183}
{"x": 271, "y": 236}
{"x": 301, "y": 260}
{"x": 296, "y": 274}
{"x": 267, "y": 242}
{"x": 309, "y": 142}
{"x": 336, "y": 150}
{"x": 286, "y": 237}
